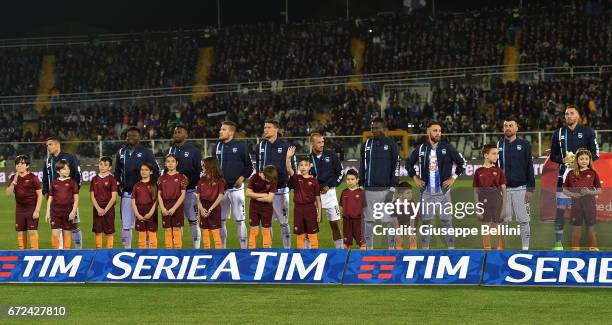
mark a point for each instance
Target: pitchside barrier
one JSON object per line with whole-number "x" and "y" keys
{"x": 285, "y": 266}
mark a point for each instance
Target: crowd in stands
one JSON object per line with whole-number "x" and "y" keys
{"x": 19, "y": 71}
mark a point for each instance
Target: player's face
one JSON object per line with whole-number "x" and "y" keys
{"x": 179, "y": 135}
{"x": 145, "y": 172}
{"x": 406, "y": 195}
{"x": 571, "y": 116}
{"x": 225, "y": 133}
{"x": 304, "y": 167}
{"x": 492, "y": 156}
{"x": 53, "y": 147}
{"x": 132, "y": 138}
{"x": 583, "y": 161}
{"x": 270, "y": 130}
{"x": 318, "y": 143}
{"x": 378, "y": 129}
{"x": 64, "y": 172}
{"x": 103, "y": 167}
{"x": 435, "y": 133}
{"x": 171, "y": 163}
{"x": 21, "y": 167}
{"x": 351, "y": 180}
{"x": 510, "y": 128}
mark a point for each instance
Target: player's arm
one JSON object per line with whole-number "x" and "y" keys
{"x": 395, "y": 171}
{"x": 201, "y": 208}
{"x": 530, "y": 172}
{"x": 247, "y": 169}
{"x": 267, "y": 198}
{"x": 253, "y": 195}
{"x": 48, "y": 213}
{"x": 319, "y": 209}
{"x": 75, "y": 170}
{"x": 503, "y": 209}
{"x": 216, "y": 203}
{"x": 75, "y": 206}
{"x": 362, "y": 166}
{"x": 162, "y": 207}
{"x": 10, "y": 189}
{"x": 119, "y": 171}
{"x": 39, "y": 197}
{"x": 179, "y": 202}
{"x": 94, "y": 202}
{"x": 45, "y": 180}
{"x": 135, "y": 209}
{"x": 153, "y": 208}
{"x": 112, "y": 201}
{"x": 288, "y": 165}
{"x": 593, "y": 146}
{"x": 555, "y": 149}
{"x": 338, "y": 169}
{"x": 410, "y": 162}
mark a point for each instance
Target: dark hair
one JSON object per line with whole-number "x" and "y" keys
{"x": 56, "y": 139}
{"x": 152, "y": 181}
{"x": 378, "y": 120}
{"x": 572, "y": 106}
{"x": 132, "y": 129}
{"x": 404, "y": 186}
{"x": 303, "y": 158}
{"x": 22, "y": 159}
{"x": 60, "y": 164}
{"x": 487, "y": 148}
{"x": 230, "y": 124}
{"x": 273, "y": 122}
{"x": 270, "y": 173}
{"x": 434, "y": 122}
{"x": 107, "y": 159}
{"x": 213, "y": 169}
{"x": 182, "y": 126}
{"x": 352, "y": 172}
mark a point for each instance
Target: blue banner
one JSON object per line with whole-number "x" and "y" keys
{"x": 264, "y": 265}
{"x": 45, "y": 265}
{"x": 414, "y": 267}
{"x": 548, "y": 268}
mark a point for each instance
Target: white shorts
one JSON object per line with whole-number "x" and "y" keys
{"x": 280, "y": 204}
{"x": 232, "y": 204}
{"x": 128, "y": 218}
{"x": 329, "y": 203}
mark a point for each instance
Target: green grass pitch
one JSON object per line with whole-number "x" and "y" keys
{"x": 314, "y": 304}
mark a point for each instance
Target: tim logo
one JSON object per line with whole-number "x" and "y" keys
{"x": 379, "y": 267}
{"x": 6, "y": 265}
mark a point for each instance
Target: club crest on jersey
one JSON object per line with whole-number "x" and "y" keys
{"x": 579, "y": 135}
{"x": 234, "y": 150}
{"x": 327, "y": 159}
{"x": 443, "y": 151}
{"x": 494, "y": 173}
{"x": 386, "y": 147}
{"x": 186, "y": 154}
{"x": 280, "y": 150}
{"x": 588, "y": 176}
{"x": 176, "y": 180}
{"x": 519, "y": 147}
{"x": 139, "y": 154}
{"x": 357, "y": 196}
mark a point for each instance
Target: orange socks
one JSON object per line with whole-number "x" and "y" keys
{"x": 501, "y": 242}
{"x": 300, "y": 241}
{"x": 486, "y": 242}
{"x": 142, "y": 239}
{"x": 168, "y": 238}
{"x": 98, "y": 241}
{"x": 67, "y": 239}
{"x": 177, "y": 237}
{"x": 34, "y": 240}
{"x": 54, "y": 241}
{"x": 109, "y": 241}
{"x": 267, "y": 238}
{"x": 253, "y": 237}
{"x": 216, "y": 237}
{"x": 314, "y": 241}
{"x": 21, "y": 240}
{"x": 413, "y": 242}
{"x": 205, "y": 239}
{"x": 152, "y": 239}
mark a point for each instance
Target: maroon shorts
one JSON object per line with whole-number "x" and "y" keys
{"x": 583, "y": 211}
{"x": 177, "y": 219}
{"x": 305, "y": 219}
{"x": 104, "y": 224}
{"x": 351, "y": 229}
{"x": 213, "y": 221}
{"x": 260, "y": 214}
{"x": 147, "y": 225}
{"x": 63, "y": 222}
{"x": 492, "y": 206}
{"x": 23, "y": 218}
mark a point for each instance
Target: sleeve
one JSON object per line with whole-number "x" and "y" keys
{"x": 411, "y": 161}
{"x": 567, "y": 183}
{"x": 247, "y": 171}
{"x": 362, "y": 171}
{"x": 596, "y": 181}
{"x": 258, "y": 157}
{"x": 530, "y": 172}
{"x": 36, "y": 183}
{"x": 458, "y": 160}
{"x": 502, "y": 178}
{"x": 293, "y": 179}
{"x": 250, "y": 184}
{"x": 395, "y": 171}
{"x": 338, "y": 168}
{"x": 135, "y": 193}
{"x": 114, "y": 185}
{"x": 555, "y": 150}
{"x": 317, "y": 187}
{"x": 184, "y": 182}
{"x": 45, "y": 178}
{"x": 91, "y": 188}
{"x": 119, "y": 168}
{"x": 75, "y": 187}
{"x": 273, "y": 187}
{"x": 476, "y": 182}
{"x": 593, "y": 146}
{"x": 11, "y": 178}
{"x": 75, "y": 170}
{"x": 220, "y": 187}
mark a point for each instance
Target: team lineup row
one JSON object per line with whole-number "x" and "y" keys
{"x": 506, "y": 182}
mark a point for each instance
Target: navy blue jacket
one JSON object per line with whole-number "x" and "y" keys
{"x": 189, "y": 160}
{"x": 446, "y": 154}
{"x": 327, "y": 168}
{"x": 379, "y": 166}
{"x": 274, "y": 154}
{"x": 234, "y": 159}
{"x": 49, "y": 173}
{"x": 516, "y": 160}
{"x": 565, "y": 140}
{"x": 127, "y": 166}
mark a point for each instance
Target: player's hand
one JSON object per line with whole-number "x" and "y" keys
{"x": 502, "y": 214}
{"x": 164, "y": 211}
{"x": 569, "y": 158}
{"x": 204, "y": 213}
{"x": 448, "y": 183}
{"x": 319, "y": 217}
{"x": 324, "y": 189}
{"x": 418, "y": 182}
{"x": 35, "y": 214}
{"x": 528, "y": 196}
{"x": 171, "y": 211}
{"x": 139, "y": 217}
{"x": 238, "y": 183}
{"x": 100, "y": 211}
{"x": 291, "y": 151}
{"x": 148, "y": 216}
{"x": 72, "y": 215}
